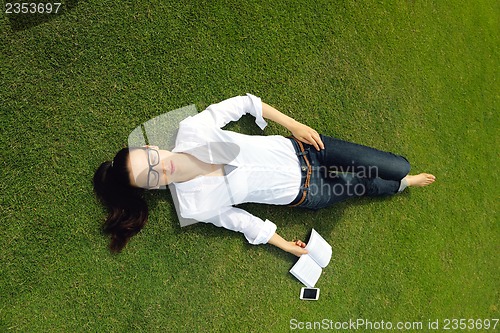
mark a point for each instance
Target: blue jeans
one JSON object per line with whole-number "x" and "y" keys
{"x": 344, "y": 170}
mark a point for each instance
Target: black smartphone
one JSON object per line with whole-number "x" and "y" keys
{"x": 311, "y": 294}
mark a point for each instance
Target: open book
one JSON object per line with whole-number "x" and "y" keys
{"x": 309, "y": 266}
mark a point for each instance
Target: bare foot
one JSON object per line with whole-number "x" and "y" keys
{"x": 420, "y": 180}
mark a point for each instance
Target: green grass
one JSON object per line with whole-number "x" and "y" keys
{"x": 419, "y": 78}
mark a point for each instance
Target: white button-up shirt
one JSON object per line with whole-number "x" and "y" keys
{"x": 263, "y": 169}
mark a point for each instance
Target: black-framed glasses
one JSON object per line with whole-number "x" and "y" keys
{"x": 153, "y": 160}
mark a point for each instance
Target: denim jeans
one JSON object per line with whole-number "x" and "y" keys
{"x": 344, "y": 170}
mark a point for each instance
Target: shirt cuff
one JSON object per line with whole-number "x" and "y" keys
{"x": 265, "y": 233}
{"x": 257, "y": 106}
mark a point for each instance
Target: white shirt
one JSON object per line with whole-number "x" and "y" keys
{"x": 264, "y": 169}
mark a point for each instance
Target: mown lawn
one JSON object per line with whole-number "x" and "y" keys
{"x": 419, "y": 78}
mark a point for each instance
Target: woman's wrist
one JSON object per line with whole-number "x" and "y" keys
{"x": 293, "y": 125}
{"x": 280, "y": 242}
{"x": 273, "y": 114}
{"x": 290, "y": 247}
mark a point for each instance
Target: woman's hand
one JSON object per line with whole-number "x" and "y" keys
{"x": 297, "y": 248}
{"x": 302, "y": 132}
{"x": 307, "y": 135}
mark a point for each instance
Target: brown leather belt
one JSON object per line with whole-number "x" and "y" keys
{"x": 301, "y": 152}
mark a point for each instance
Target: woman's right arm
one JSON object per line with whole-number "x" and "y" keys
{"x": 256, "y": 230}
{"x": 295, "y": 248}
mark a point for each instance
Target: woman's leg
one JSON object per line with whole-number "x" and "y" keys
{"x": 325, "y": 190}
{"x": 337, "y": 188}
{"x": 344, "y": 170}
{"x": 347, "y": 157}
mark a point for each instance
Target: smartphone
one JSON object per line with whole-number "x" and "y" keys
{"x": 311, "y": 294}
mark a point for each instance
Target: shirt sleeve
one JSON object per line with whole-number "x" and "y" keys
{"x": 232, "y": 109}
{"x": 256, "y": 231}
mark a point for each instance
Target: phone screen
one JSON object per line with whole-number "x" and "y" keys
{"x": 310, "y": 293}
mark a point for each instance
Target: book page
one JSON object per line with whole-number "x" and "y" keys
{"x": 319, "y": 249}
{"x": 306, "y": 270}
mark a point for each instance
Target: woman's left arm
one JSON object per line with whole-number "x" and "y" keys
{"x": 302, "y": 132}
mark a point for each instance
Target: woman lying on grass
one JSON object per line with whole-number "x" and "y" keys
{"x": 308, "y": 170}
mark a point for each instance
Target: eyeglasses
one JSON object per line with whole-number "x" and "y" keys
{"x": 153, "y": 160}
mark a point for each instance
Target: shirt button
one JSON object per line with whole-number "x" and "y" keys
{"x": 304, "y": 168}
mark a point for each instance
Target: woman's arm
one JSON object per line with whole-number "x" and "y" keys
{"x": 296, "y": 248}
{"x": 302, "y": 132}
{"x": 255, "y": 230}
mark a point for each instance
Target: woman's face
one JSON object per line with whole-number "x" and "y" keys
{"x": 150, "y": 168}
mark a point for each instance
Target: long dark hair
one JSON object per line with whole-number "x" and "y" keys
{"x": 127, "y": 209}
